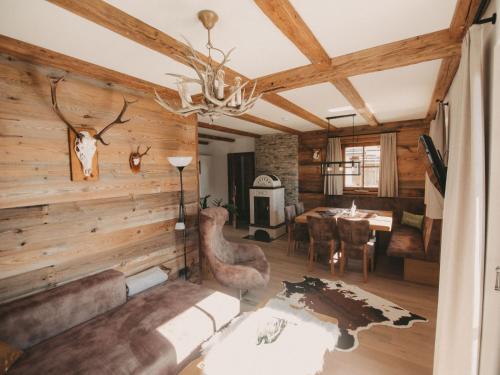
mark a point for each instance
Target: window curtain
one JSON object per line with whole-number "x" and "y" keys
{"x": 334, "y": 185}
{"x": 388, "y": 177}
{"x": 459, "y": 316}
{"x": 434, "y": 201}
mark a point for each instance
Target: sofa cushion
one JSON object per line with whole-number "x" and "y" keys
{"x": 405, "y": 242}
{"x": 412, "y": 220}
{"x": 156, "y": 332}
{"x": 27, "y": 321}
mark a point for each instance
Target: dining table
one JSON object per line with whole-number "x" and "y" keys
{"x": 379, "y": 220}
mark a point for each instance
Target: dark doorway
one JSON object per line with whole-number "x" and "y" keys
{"x": 261, "y": 211}
{"x": 240, "y": 176}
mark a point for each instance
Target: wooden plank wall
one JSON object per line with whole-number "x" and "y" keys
{"x": 53, "y": 230}
{"x": 411, "y": 170}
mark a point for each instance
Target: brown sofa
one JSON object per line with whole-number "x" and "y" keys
{"x": 420, "y": 250}
{"x": 88, "y": 327}
{"x": 410, "y": 242}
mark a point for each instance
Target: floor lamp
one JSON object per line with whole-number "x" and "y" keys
{"x": 180, "y": 162}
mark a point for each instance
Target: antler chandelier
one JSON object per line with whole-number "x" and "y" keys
{"x": 216, "y": 100}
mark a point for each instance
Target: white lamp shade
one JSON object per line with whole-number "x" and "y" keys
{"x": 180, "y": 226}
{"x": 180, "y": 161}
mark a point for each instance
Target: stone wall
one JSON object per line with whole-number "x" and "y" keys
{"x": 278, "y": 154}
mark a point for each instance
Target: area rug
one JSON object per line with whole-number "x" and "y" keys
{"x": 295, "y": 329}
{"x": 354, "y": 308}
{"x": 276, "y": 339}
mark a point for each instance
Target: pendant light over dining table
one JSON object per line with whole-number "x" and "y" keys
{"x": 340, "y": 167}
{"x": 217, "y": 97}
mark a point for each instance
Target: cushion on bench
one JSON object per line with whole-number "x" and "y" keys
{"x": 406, "y": 242}
{"x": 30, "y": 320}
{"x": 157, "y": 331}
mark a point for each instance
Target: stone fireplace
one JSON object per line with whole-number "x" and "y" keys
{"x": 267, "y": 208}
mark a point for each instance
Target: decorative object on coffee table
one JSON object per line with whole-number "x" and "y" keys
{"x": 180, "y": 162}
{"x": 276, "y": 339}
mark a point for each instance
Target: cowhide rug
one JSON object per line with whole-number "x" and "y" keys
{"x": 354, "y": 308}
{"x": 276, "y": 339}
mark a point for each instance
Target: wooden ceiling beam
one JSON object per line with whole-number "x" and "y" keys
{"x": 351, "y": 94}
{"x": 288, "y": 21}
{"x": 285, "y": 17}
{"x": 215, "y": 137}
{"x": 287, "y": 105}
{"x": 38, "y": 55}
{"x": 116, "y": 20}
{"x": 447, "y": 72}
{"x": 463, "y": 18}
{"x": 383, "y": 128}
{"x": 219, "y": 128}
{"x": 427, "y": 47}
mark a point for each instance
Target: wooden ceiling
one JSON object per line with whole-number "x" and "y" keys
{"x": 337, "y": 70}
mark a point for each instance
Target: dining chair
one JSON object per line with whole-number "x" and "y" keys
{"x": 355, "y": 242}
{"x": 290, "y": 222}
{"x": 297, "y": 232}
{"x": 322, "y": 231}
{"x": 299, "y": 208}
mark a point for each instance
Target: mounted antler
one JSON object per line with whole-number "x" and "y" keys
{"x": 117, "y": 120}
{"x": 98, "y": 136}
{"x": 85, "y": 144}
{"x": 135, "y": 159}
{"x": 55, "y": 106}
{"x": 144, "y": 153}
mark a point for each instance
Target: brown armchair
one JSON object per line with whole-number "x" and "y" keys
{"x": 234, "y": 265}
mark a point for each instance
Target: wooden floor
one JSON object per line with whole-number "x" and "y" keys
{"x": 382, "y": 350}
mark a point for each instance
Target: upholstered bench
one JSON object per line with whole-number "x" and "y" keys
{"x": 88, "y": 327}
{"x": 420, "y": 250}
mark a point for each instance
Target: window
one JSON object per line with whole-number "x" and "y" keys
{"x": 369, "y": 157}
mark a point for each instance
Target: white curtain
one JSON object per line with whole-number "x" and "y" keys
{"x": 458, "y": 328}
{"x": 334, "y": 185}
{"x": 388, "y": 177}
{"x": 434, "y": 201}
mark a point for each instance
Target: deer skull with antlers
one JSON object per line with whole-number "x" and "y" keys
{"x": 85, "y": 144}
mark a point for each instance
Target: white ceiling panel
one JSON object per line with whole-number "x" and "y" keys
{"x": 324, "y": 100}
{"x": 347, "y": 26}
{"x": 399, "y": 94}
{"x": 272, "y": 113}
{"x": 46, "y": 25}
{"x": 261, "y": 48}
